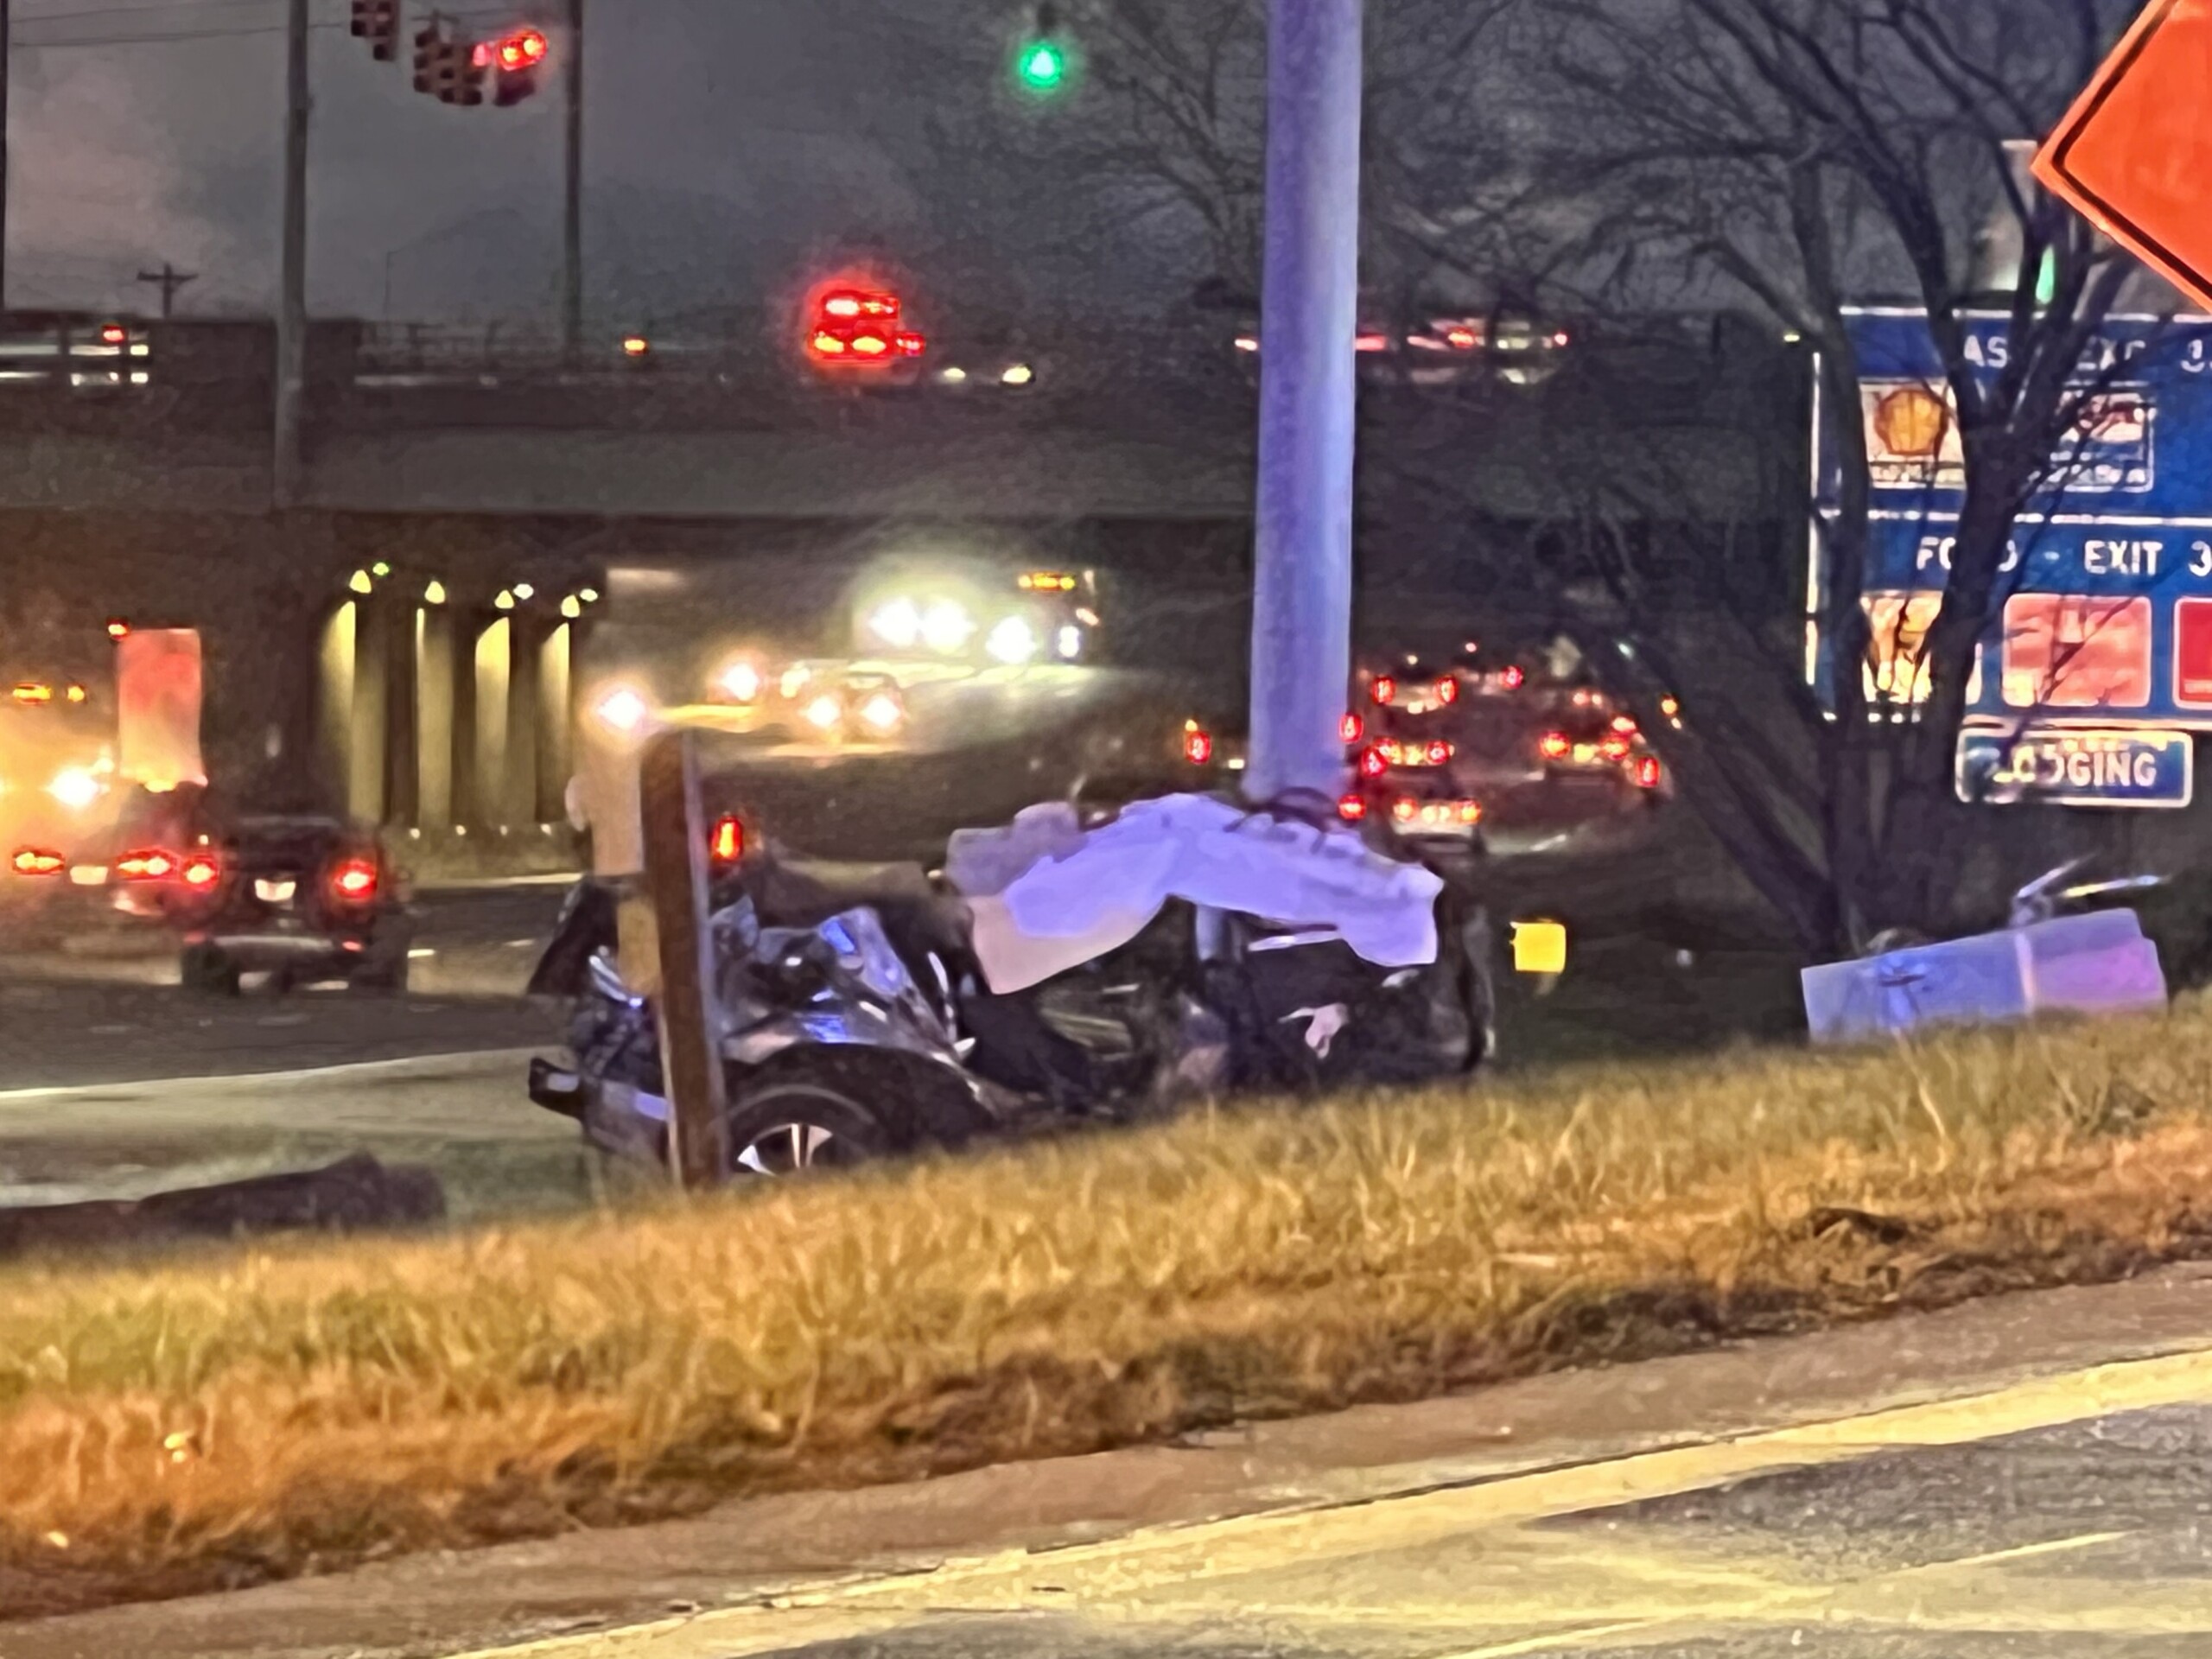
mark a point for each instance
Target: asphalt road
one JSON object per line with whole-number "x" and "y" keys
{"x": 2063, "y": 1518}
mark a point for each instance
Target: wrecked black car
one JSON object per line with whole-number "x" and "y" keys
{"x": 1057, "y": 969}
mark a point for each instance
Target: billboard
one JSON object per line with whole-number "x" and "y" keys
{"x": 2104, "y": 622}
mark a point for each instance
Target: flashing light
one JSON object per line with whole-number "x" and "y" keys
{"x": 1463, "y": 339}
{"x": 1197, "y": 744}
{"x": 870, "y": 346}
{"x": 825, "y": 712}
{"x": 1248, "y": 343}
{"x": 1562, "y": 339}
{"x": 1625, "y": 725}
{"x": 434, "y": 591}
{"x": 33, "y": 692}
{"x": 524, "y": 590}
{"x": 1555, "y": 746}
{"x": 635, "y": 345}
{"x": 113, "y": 334}
{"x": 202, "y": 871}
{"x": 354, "y": 881}
{"x": 1385, "y": 691}
{"x": 725, "y": 840}
{"x": 119, "y": 629}
{"x": 75, "y": 788}
{"x": 953, "y": 376}
{"x": 1447, "y": 689}
{"x": 361, "y": 582}
{"x": 842, "y": 305}
{"x": 910, "y": 343}
{"x": 1373, "y": 763}
{"x": 1646, "y": 773}
{"x": 380, "y": 570}
{"x": 826, "y": 343}
{"x": 1404, "y": 808}
{"x": 572, "y": 607}
{"x": 504, "y": 601}
{"x": 1069, "y": 642}
{"x": 1672, "y": 709}
{"x": 1018, "y": 374}
{"x": 1352, "y": 808}
{"x": 152, "y": 865}
{"x": 882, "y": 712}
{"x": 740, "y": 681}
{"x": 1514, "y": 677}
{"x": 76, "y": 693}
{"x": 1438, "y": 753}
{"x": 1045, "y": 581}
{"x": 1615, "y": 747}
{"x": 1351, "y": 728}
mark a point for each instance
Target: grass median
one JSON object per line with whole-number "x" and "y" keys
{"x": 229, "y": 1417}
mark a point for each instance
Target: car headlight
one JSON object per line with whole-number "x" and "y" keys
{"x": 946, "y": 627}
{"x": 76, "y": 788}
{"x": 897, "y": 623}
{"x": 740, "y": 680}
{"x": 882, "y": 712}
{"x": 1012, "y": 640}
{"x": 623, "y": 708}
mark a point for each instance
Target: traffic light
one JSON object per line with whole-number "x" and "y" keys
{"x": 470, "y": 61}
{"x": 429, "y": 57}
{"x": 1043, "y": 60}
{"x": 377, "y": 22}
{"x": 516, "y": 56}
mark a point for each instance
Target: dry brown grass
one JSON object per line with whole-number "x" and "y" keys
{"x": 232, "y": 1416}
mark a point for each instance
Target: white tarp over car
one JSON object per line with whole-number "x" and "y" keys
{"x": 1048, "y": 895}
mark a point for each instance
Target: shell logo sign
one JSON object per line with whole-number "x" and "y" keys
{"x": 1912, "y": 438}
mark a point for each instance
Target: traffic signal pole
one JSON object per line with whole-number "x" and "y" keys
{"x": 292, "y": 301}
{"x": 572, "y": 220}
{"x": 1301, "y": 600}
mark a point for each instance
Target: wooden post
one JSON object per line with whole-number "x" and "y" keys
{"x": 676, "y": 878}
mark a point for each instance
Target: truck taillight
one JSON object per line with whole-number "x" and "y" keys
{"x": 725, "y": 840}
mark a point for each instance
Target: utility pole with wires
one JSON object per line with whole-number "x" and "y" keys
{"x": 168, "y": 278}
{"x": 292, "y": 301}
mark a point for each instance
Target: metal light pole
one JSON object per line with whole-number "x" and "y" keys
{"x": 292, "y": 300}
{"x": 1301, "y": 600}
{"x": 7, "y": 25}
{"x": 572, "y": 220}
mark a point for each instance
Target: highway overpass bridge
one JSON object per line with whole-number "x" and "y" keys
{"x": 404, "y": 640}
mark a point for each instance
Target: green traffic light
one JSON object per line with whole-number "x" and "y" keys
{"x": 1043, "y": 66}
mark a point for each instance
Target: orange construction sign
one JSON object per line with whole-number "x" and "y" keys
{"x": 2134, "y": 154}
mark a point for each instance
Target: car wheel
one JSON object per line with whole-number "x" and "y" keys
{"x": 787, "y": 1126}
{"x": 204, "y": 969}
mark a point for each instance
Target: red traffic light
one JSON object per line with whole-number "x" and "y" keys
{"x": 523, "y": 49}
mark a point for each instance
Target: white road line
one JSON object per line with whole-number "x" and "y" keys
{"x": 472, "y": 1063}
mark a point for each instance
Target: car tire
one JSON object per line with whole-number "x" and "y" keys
{"x": 792, "y": 1125}
{"x": 204, "y": 970}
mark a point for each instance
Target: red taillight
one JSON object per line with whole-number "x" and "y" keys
{"x": 1352, "y": 808}
{"x": 1351, "y": 728}
{"x": 354, "y": 881}
{"x": 1514, "y": 679}
{"x": 1438, "y": 753}
{"x": 152, "y": 865}
{"x": 1647, "y": 772}
{"x": 1198, "y": 746}
{"x": 1386, "y": 690}
{"x": 1447, "y": 689}
{"x": 725, "y": 840}
{"x": 37, "y": 861}
{"x": 1555, "y": 746}
{"x": 1373, "y": 763}
{"x": 202, "y": 871}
